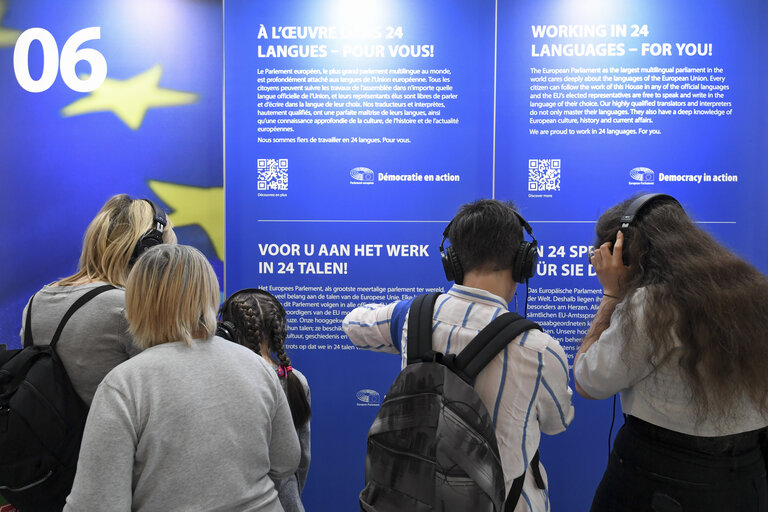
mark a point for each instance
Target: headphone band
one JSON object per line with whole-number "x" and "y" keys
{"x": 636, "y": 206}
{"x": 445, "y": 235}
{"x": 227, "y": 329}
{"x": 525, "y": 224}
{"x": 255, "y": 291}
{"x": 523, "y": 264}
{"x": 159, "y": 219}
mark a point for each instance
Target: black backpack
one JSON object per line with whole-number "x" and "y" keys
{"x": 42, "y": 420}
{"x": 432, "y": 446}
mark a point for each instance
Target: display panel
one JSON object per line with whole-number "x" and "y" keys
{"x": 334, "y": 166}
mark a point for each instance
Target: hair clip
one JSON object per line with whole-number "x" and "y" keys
{"x": 282, "y": 371}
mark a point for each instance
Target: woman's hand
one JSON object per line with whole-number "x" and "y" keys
{"x": 610, "y": 267}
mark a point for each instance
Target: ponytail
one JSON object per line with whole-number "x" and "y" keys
{"x": 294, "y": 390}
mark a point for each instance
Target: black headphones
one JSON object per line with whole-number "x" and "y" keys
{"x": 636, "y": 206}
{"x": 523, "y": 265}
{"x": 633, "y": 210}
{"x": 227, "y": 329}
{"x": 152, "y": 237}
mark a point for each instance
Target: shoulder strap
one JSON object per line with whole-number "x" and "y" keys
{"x": 490, "y": 341}
{"x": 517, "y": 484}
{"x": 74, "y": 307}
{"x": 420, "y": 328}
{"x": 27, "y": 341}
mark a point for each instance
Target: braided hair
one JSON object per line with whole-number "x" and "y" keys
{"x": 255, "y": 319}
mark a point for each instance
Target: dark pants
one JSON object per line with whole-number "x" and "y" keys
{"x": 658, "y": 470}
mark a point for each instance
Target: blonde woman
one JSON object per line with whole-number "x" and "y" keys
{"x": 194, "y": 422}
{"x": 96, "y": 339}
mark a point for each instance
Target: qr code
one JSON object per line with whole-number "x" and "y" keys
{"x": 273, "y": 174}
{"x": 543, "y": 174}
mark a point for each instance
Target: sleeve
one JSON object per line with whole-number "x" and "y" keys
{"x": 377, "y": 327}
{"x": 284, "y": 449}
{"x": 305, "y": 443}
{"x": 105, "y": 466}
{"x": 23, "y": 323}
{"x": 24, "y": 320}
{"x": 554, "y": 407}
{"x": 604, "y": 369}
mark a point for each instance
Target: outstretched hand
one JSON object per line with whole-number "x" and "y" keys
{"x": 610, "y": 267}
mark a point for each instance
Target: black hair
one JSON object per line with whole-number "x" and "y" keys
{"x": 486, "y": 235}
{"x": 258, "y": 317}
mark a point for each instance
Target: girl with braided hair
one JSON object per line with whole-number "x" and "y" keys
{"x": 255, "y": 319}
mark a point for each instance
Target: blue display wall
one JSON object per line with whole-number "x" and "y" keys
{"x": 354, "y": 130}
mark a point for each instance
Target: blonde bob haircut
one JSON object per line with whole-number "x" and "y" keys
{"x": 171, "y": 295}
{"x": 110, "y": 239}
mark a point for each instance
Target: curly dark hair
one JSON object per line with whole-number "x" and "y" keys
{"x": 258, "y": 317}
{"x": 486, "y": 235}
{"x": 713, "y": 301}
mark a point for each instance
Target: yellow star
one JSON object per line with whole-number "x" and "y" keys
{"x": 8, "y": 36}
{"x": 130, "y": 99}
{"x": 195, "y": 205}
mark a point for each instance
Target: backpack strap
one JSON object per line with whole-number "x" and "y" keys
{"x": 536, "y": 470}
{"x": 514, "y": 493}
{"x": 27, "y": 341}
{"x": 476, "y": 356}
{"x": 74, "y": 307}
{"x": 26, "y": 358}
{"x": 420, "y": 328}
{"x": 489, "y": 342}
{"x": 763, "y": 438}
{"x": 517, "y": 485}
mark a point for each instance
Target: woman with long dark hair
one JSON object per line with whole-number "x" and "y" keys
{"x": 682, "y": 334}
{"x": 255, "y": 318}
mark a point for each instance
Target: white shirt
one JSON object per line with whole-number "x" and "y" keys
{"x": 525, "y": 387}
{"x": 657, "y": 395}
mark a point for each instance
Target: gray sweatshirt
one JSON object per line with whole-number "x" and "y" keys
{"x": 95, "y": 339}
{"x": 193, "y": 428}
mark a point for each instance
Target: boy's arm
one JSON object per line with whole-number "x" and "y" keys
{"x": 377, "y": 327}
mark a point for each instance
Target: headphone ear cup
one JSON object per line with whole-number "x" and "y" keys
{"x": 531, "y": 260}
{"x": 525, "y": 263}
{"x": 447, "y": 267}
{"x": 149, "y": 239}
{"x": 226, "y": 330}
{"x": 452, "y": 266}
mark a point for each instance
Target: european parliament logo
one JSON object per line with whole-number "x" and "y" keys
{"x": 642, "y": 176}
{"x": 368, "y": 397}
{"x": 361, "y": 176}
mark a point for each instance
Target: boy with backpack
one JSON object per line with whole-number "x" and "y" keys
{"x": 430, "y": 447}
